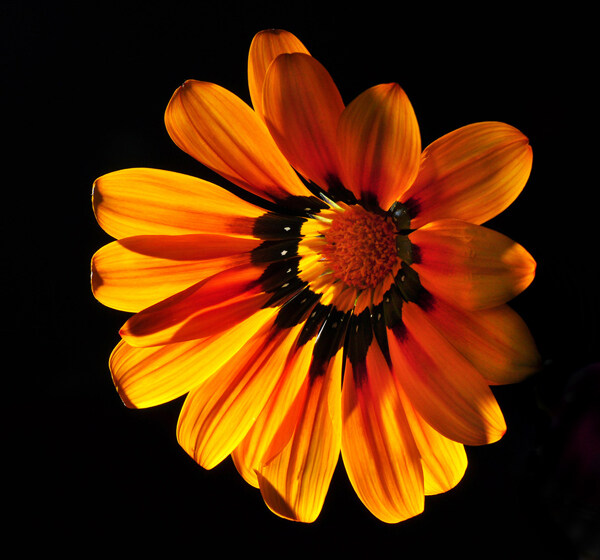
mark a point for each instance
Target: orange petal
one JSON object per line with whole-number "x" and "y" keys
{"x": 444, "y": 461}
{"x": 151, "y": 201}
{"x": 147, "y": 377}
{"x": 443, "y": 386}
{"x": 248, "y": 456}
{"x": 221, "y": 131}
{"x": 137, "y": 272}
{"x": 210, "y": 306}
{"x": 217, "y": 415}
{"x": 379, "y": 145}
{"x": 379, "y": 452}
{"x": 471, "y": 174}
{"x": 264, "y": 49}
{"x": 496, "y": 341}
{"x": 471, "y": 266}
{"x": 302, "y": 107}
{"x": 296, "y": 475}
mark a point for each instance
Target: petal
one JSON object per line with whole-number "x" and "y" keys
{"x": 379, "y": 145}
{"x": 217, "y": 415}
{"x": 264, "y": 49}
{"x": 496, "y": 341}
{"x": 442, "y": 385}
{"x": 471, "y": 174}
{"x": 248, "y": 456}
{"x": 206, "y": 308}
{"x": 471, "y": 266}
{"x": 296, "y": 475}
{"x": 151, "y": 201}
{"x": 137, "y": 272}
{"x": 221, "y": 131}
{"x": 379, "y": 452}
{"x": 147, "y": 377}
{"x": 444, "y": 461}
{"x": 302, "y": 107}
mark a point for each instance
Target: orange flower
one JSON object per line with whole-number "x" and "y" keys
{"x": 351, "y": 303}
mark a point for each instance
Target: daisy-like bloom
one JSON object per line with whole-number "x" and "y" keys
{"x": 353, "y": 304}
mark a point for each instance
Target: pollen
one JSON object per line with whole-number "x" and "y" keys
{"x": 360, "y": 247}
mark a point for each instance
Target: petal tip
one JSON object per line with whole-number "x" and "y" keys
{"x": 272, "y": 31}
{"x": 279, "y": 505}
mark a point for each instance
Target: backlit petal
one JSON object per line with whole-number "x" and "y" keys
{"x": 210, "y": 306}
{"x": 496, "y": 341}
{"x": 379, "y": 452}
{"x": 147, "y": 377}
{"x": 217, "y": 415}
{"x": 221, "y": 131}
{"x": 266, "y": 47}
{"x": 248, "y": 456}
{"x": 302, "y": 107}
{"x": 444, "y": 461}
{"x": 444, "y": 387}
{"x": 137, "y": 272}
{"x": 471, "y": 174}
{"x": 379, "y": 145}
{"x": 471, "y": 266}
{"x": 155, "y": 202}
{"x": 295, "y": 477}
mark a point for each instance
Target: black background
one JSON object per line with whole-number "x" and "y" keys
{"x": 84, "y": 89}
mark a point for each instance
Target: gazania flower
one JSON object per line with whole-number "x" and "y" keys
{"x": 353, "y": 305}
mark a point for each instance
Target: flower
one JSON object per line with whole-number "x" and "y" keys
{"x": 351, "y": 304}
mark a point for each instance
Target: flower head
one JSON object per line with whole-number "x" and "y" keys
{"x": 353, "y": 304}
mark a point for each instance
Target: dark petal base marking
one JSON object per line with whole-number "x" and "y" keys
{"x": 338, "y": 192}
{"x": 380, "y": 331}
{"x": 277, "y": 226}
{"x": 404, "y": 248}
{"x": 358, "y": 340}
{"x": 408, "y": 283}
{"x": 280, "y": 279}
{"x": 297, "y": 309}
{"x": 330, "y": 338}
{"x": 274, "y": 251}
{"x": 301, "y": 205}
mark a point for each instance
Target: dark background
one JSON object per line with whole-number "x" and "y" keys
{"x": 84, "y": 87}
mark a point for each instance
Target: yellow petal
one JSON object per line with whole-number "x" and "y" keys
{"x": 147, "y": 377}
{"x": 442, "y": 385}
{"x": 217, "y": 415}
{"x": 221, "y": 131}
{"x": 379, "y": 145}
{"x": 155, "y": 202}
{"x": 471, "y": 174}
{"x": 379, "y": 452}
{"x": 137, "y": 272}
{"x": 266, "y": 47}
{"x": 471, "y": 266}
{"x": 295, "y": 477}
{"x": 444, "y": 461}
{"x": 206, "y": 308}
{"x": 302, "y": 107}
{"x": 248, "y": 456}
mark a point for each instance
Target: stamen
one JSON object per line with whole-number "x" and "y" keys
{"x": 331, "y": 203}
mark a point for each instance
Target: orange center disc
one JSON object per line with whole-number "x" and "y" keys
{"x": 360, "y": 247}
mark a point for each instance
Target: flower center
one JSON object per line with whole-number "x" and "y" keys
{"x": 360, "y": 247}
